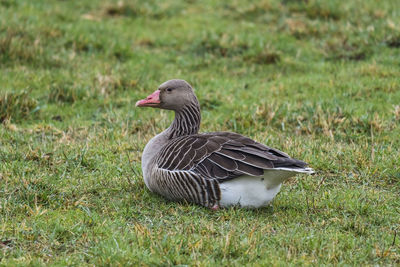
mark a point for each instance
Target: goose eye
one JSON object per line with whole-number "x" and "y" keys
{"x": 169, "y": 89}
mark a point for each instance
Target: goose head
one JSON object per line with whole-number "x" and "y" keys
{"x": 172, "y": 95}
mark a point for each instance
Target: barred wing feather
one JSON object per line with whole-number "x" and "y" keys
{"x": 222, "y": 156}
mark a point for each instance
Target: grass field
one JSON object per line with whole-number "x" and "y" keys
{"x": 317, "y": 79}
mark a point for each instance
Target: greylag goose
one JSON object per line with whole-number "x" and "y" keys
{"x": 217, "y": 169}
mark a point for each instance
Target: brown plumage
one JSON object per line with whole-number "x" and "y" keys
{"x": 211, "y": 169}
{"x": 222, "y": 155}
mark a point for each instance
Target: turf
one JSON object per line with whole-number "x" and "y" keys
{"x": 317, "y": 79}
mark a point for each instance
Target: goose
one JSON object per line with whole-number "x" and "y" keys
{"x": 215, "y": 169}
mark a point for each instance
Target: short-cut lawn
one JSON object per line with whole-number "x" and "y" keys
{"x": 317, "y": 79}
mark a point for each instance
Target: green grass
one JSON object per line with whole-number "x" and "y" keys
{"x": 317, "y": 79}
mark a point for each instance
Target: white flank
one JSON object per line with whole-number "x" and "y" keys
{"x": 256, "y": 192}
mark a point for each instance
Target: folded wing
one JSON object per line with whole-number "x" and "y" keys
{"x": 223, "y": 156}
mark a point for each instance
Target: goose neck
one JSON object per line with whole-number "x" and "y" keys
{"x": 187, "y": 121}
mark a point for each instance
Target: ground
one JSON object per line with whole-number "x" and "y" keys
{"x": 316, "y": 79}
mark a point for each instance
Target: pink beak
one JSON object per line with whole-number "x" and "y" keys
{"x": 152, "y": 100}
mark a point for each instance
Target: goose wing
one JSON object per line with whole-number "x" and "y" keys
{"x": 222, "y": 156}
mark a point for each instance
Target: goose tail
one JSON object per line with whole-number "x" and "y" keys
{"x": 299, "y": 170}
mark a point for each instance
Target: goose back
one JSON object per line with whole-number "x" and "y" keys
{"x": 222, "y": 156}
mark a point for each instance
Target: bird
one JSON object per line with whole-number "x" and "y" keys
{"x": 212, "y": 169}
